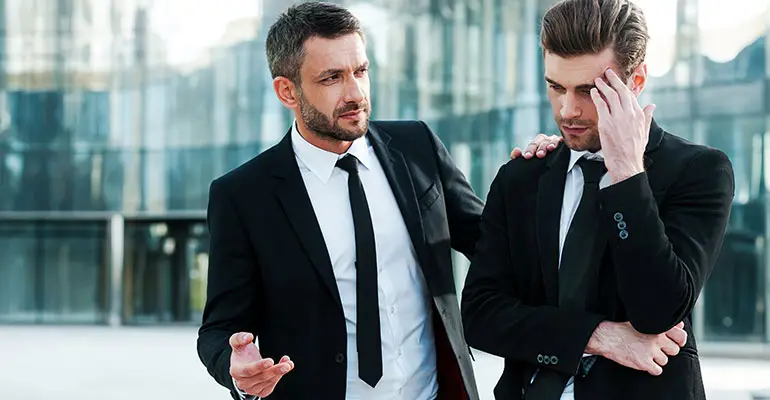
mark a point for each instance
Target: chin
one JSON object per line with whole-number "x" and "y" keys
{"x": 576, "y": 146}
{"x": 357, "y": 128}
{"x": 582, "y": 143}
{"x": 349, "y": 135}
{"x": 357, "y": 134}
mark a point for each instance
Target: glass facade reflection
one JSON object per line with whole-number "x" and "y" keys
{"x": 130, "y": 108}
{"x": 53, "y": 271}
{"x": 164, "y": 271}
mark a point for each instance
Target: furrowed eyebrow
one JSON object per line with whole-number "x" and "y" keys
{"x": 330, "y": 71}
{"x": 334, "y": 71}
{"x": 585, "y": 86}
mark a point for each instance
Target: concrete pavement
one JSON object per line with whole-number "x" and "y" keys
{"x": 148, "y": 363}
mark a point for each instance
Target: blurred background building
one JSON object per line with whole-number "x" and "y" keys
{"x": 115, "y": 115}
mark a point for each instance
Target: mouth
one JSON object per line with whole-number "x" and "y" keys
{"x": 351, "y": 115}
{"x": 574, "y": 130}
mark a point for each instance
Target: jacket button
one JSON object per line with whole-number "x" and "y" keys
{"x": 618, "y": 216}
{"x": 540, "y": 358}
{"x": 623, "y": 235}
{"x": 339, "y": 358}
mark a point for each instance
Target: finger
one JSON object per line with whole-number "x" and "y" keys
{"x": 660, "y": 358}
{"x": 654, "y": 369}
{"x": 516, "y": 153}
{"x": 263, "y": 379}
{"x": 267, "y": 381}
{"x": 678, "y": 335}
{"x": 680, "y": 325}
{"x": 277, "y": 371}
{"x": 611, "y": 96}
{"x": 554, "y": 141}
{"x": 670, "y": 348}
{"x": 545, "y": 145}
{"x": 252, "y": 370}
{"x": 624, "y": 93}
{"x": 238, "y": 341}
{"x": 530, "y": 151}
{"x": 286, "y": 364}
{"x": 602, "y": 109}
{"x": 648, "y": 110}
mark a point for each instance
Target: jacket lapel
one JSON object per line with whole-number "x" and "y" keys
{"x": 400, "y": 180}
{"x": 550, "y": 195}
{"x": 294, "y": 199}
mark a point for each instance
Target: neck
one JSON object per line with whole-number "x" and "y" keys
{"x": 322, "y": 142}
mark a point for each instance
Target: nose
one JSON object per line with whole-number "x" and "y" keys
{"x": 569, "y": 107}
{"x": 354, "y": 91}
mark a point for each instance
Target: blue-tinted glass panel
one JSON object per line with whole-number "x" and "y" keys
{"x": 53, "y": 271}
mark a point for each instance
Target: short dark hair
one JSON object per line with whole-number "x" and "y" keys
{"x": 580, "y": 27}
{"x": 285, "y": 44}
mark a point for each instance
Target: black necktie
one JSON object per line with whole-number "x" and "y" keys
{"x": 576, "y": 271}
{"x": 367, "y": 307}
{"x": 579, "y": 245}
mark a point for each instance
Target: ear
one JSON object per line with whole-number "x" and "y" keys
{"x": 638, "y": 79}
{"x": 287, "y": 92}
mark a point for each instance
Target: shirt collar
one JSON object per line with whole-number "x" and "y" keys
{"x": 577, "y": 155}
{"x": 321, "y": 162}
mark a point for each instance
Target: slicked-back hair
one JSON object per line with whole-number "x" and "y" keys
{"x": 583, "y": 27}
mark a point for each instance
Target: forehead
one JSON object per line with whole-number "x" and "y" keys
{"x": 579, "y": 70}
{"x": 344, "y": 52}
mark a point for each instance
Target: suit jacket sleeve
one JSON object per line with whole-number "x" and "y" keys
{"x": 496, "y": 320}
{"x": 463, "y": 207}
{"x": 233, "y": 281}
{"x": 663, "y": 256}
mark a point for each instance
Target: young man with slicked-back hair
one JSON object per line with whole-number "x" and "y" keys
{"x": 333, "y": 248}
{"x": 591, "y": 259}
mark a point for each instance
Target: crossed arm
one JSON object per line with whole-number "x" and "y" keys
{"x": 662, "y": 262}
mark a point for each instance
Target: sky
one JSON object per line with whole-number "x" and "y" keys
{"x": 726, "y": 27}
{"x": 189, "y": 27}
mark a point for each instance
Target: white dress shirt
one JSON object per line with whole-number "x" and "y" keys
{"x": 406, "y": 329}
{"x": 573, "y": 191}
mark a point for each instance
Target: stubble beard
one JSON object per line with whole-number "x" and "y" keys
{"x": 329, "y": 128}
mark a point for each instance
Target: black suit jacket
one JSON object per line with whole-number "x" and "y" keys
{"x": 270, "y": 272}
{"x": 665, "y": 229}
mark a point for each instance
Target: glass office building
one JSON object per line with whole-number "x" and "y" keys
{"x": 116, "y": 115}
